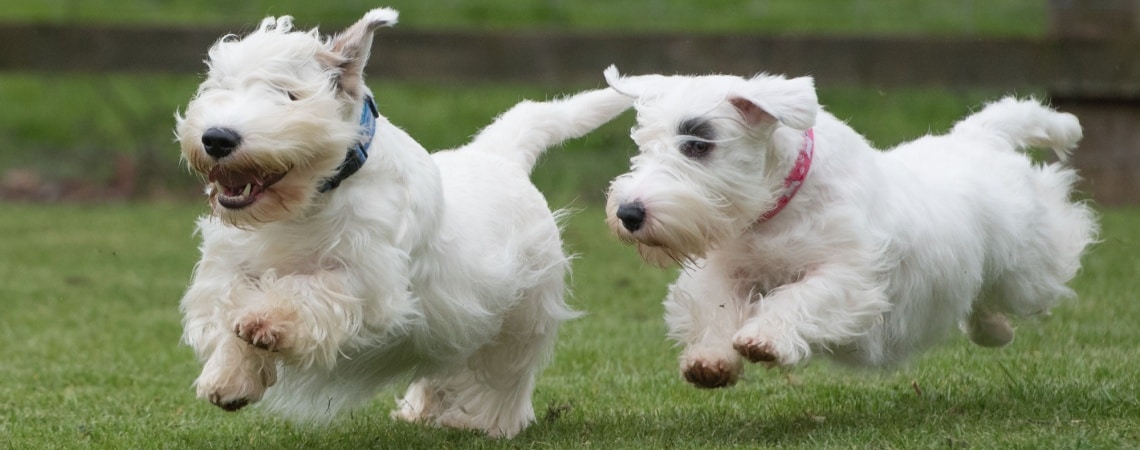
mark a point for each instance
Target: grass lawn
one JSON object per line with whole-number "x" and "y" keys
{"x": 89, "y": 357}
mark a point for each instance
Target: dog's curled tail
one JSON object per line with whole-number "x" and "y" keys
{"x": 525, "y": 131}
{"x": 1024, "y": 124}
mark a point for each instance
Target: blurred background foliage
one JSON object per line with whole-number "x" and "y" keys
{"x": 981, "y": 17}
{"x": 103, "y": 135}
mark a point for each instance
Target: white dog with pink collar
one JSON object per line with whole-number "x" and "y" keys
{"x": 796, "y": 237}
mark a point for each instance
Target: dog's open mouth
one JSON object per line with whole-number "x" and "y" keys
{"x": 237, "y": 189}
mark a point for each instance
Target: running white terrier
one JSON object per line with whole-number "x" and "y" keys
{"x": 796, "y": 237}
{"x": 341, "y": 256}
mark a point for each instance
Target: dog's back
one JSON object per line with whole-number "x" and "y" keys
{"x": 986, "y": 153}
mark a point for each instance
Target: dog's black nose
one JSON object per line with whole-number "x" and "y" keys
{"x": 632, "y": 215}
{"x": 220, "y": 142}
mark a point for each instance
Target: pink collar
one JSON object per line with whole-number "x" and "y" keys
{"x": 795, "y": 177}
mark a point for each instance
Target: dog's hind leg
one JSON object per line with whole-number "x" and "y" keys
{"x": 492, "y": 390}
{"x": 988, "y": 328}
{"x": 1049, "y": 246}
{"x": 491, "y": 394}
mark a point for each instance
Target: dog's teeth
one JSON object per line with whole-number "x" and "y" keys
{"x": 248, "y": 189}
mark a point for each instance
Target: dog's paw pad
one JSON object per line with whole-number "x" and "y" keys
{"x": 708, "y": 375}
{"x": 260, "y": 332}
{"x": 756, "y": 351}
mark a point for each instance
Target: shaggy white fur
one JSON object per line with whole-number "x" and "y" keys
{"x": 445, "y": 269}
{"x": 876, "y": 257}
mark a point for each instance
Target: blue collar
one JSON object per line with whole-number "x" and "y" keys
{"x": 358, "y": 153}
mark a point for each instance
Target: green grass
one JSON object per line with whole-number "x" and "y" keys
{"x": 970, "y": 17}
{"x": 90, "y": 358}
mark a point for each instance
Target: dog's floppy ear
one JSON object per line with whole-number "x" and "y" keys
{"x": 791, "y": 102}
{"x": 351, "y": 47}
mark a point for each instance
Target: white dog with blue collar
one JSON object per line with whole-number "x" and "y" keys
{"x": 341, "y": 257}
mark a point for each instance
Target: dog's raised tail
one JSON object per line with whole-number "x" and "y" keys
{"x": 1025, "y": 124}
{"x": 525, "y": 131}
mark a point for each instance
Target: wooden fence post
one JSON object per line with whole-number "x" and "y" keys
{"x": 1109, "y": 157}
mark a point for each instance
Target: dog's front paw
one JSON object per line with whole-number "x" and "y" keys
{"x": 227, "y": 401}
{"x": 231, "y": 382}
{"x": 710, "y": 370}
{"x": 760, "y": 347}
{"x": 230, "y": 395}
{"x": 711, "y": 374}
{"x": 267, "y": 330}
{"x": 756, "y": 350}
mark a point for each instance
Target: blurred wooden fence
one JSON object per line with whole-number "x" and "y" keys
{"x": 1092, "y": 66}
{"x": 1097, "y": 77}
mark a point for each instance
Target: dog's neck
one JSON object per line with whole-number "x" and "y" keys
{"x": 795, "y": 177}
{"x": 358, "y": 153}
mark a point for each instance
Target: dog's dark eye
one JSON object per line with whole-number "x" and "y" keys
{"x": 291, "y": 94}
{"x": 696, "y": 149}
